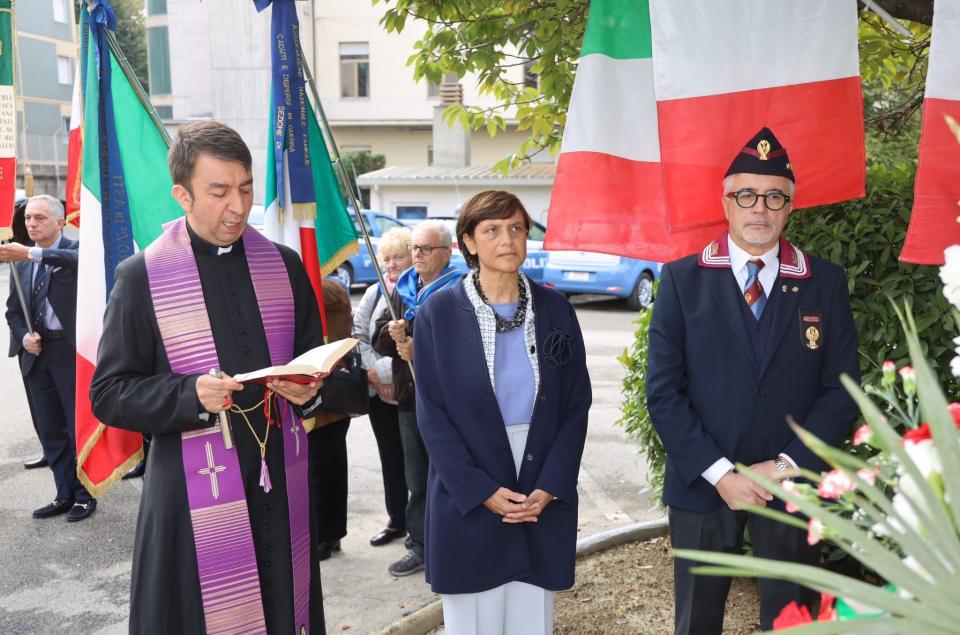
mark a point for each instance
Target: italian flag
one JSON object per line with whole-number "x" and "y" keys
{"x": 667, "y": 92}
{"x": 131, "y": 193}
{"x": 325, "y": 240}
{"x": 75, "y": 150}
{"x": 933, "y": 223}
{"x": 8, "y": 123}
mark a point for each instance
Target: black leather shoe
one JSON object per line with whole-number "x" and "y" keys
{"x": 32, "y": 464}
{"x": 82, "y": 511}
{"x": 387, "y": 535}
{"x": 55, "y": 508}
{"x": 326, "y": 549}
{"x": 137, "y": 471}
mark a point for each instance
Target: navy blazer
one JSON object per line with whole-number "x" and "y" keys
{"x": 707, "y": 396}
{"x": 468, "y": 547}
{"x": 62, "y": 296}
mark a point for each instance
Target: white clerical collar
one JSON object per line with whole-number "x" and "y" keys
{"x": 739, "y": 257}
{"x": 224, "y": 250}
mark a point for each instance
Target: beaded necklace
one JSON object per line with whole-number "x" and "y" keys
{"x": 504, "y": 325}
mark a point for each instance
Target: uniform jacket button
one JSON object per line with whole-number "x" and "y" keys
{"x": 529, "y": 457}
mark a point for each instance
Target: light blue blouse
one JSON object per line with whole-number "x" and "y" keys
{"x": 515, "y": 383}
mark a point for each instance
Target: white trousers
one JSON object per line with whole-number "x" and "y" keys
{"x": 514, "y": 608}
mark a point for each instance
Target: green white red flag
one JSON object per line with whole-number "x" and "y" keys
{"x": 933, "y": 222}
{"x": 665, "y": 95}
{"x": 124, "y": 202}
{"x": 8, "y": 122}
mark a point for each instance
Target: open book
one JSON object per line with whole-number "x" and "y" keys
{"x": 316, "y": 363}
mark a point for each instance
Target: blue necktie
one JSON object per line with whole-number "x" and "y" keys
{"x": 753, "y": 290}
{"x": 40, "y": 286}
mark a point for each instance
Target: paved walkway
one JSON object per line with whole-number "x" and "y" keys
{"x": 75, "y": 578}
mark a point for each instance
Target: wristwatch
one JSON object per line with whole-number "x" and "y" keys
{"x": 781, "y": 465}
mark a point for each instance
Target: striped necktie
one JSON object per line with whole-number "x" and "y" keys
{"x": 40, "y": 286}
{"x": 753, "y": 291}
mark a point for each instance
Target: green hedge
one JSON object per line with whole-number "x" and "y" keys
{"x": 864, "y": 237}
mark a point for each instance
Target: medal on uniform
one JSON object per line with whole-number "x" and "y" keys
{"x": 811, "y": 326}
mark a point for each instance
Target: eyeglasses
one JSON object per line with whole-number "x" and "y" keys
{"x": 773, "y": 201}
{"x": 426, "y": 250}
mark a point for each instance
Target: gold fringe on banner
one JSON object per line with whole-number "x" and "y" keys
{"x": 304, "y": 211}
{"x": 99, "y": 489}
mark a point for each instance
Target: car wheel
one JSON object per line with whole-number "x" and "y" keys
{"x": 642, "y": 295}
{"x": 345, "y": 275}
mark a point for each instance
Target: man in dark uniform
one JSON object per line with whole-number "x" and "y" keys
{"x": 745, "y": 334}
{"x": 225, "y": 538}
{"x": 48, "y": 277}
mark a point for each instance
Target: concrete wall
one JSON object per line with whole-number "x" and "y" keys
{"x": 444, "y": 200}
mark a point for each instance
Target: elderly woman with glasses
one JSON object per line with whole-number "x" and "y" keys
{"x": 393, "y": 252}
{"x": 502, "y": 400}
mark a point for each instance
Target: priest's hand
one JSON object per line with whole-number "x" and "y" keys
{"x": 295, "y": 393}
{"x": 216, "y": 394}
{"x": 536, "y": 502}
{"x": 14, "y": 252}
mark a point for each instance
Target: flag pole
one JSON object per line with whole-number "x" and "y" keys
{"x": 345, "y": 181}
{"x": 137, "y": 86}
{"x": 23, "y": 302}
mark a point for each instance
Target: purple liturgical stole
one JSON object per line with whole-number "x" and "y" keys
{"x": 229, "y": 582}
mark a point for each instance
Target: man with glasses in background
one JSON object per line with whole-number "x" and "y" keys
{"x": 431, "y": 245}
{"x": 745, "y": 334}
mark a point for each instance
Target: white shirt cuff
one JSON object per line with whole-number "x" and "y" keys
{"x": 715, "y": 472}
{"x": 790, "y": 461}
{"x": 24, "y": 341}
{"x": 35, "y": 254}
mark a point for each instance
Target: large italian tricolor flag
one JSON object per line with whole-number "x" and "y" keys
{"x": 124, "y": 201}
{"x": 933, "y": 223}
{"x": 667, "y": 92}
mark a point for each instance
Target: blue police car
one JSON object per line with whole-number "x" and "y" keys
{"x": 359, "y": 268}
{"x": 583, "y": 272}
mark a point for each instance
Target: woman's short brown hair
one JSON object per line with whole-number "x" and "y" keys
{"x": 489, "y": 205}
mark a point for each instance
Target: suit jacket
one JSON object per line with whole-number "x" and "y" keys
{"x": 706, "y": 394}
{"x": 468, "y": 547}
{"x": 62, "y": 296}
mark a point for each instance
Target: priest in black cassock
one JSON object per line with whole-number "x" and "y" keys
{"x": 225, "y": 539}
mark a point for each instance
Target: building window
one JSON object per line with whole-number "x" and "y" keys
{"x": 164, "y": 112}
{"x": 60, "y": 11}
{"x": 406, "y": 211}
{"x": 354, "y": 69}
{"x": 64, "y": 70}
{"x": 65, "y": 128}
{"x": 158, "y": 60}
{"x": 156, "y": 7}
{"x": 429, "y": 155}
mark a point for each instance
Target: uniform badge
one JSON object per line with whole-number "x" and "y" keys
{"x": 714, "y": 248}
{"x": 784, "y": 288}
{"x": 764, "y": 149}
{"x": 811, "y": 328}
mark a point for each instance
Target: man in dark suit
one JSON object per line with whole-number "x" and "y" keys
{"x": 20, "y": 235}
{"x": 745, "y": 334}
{"x": 48, "y": 277}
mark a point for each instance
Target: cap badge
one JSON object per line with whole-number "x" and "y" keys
{"x": 764, "y": 149}
{"x": 813, "y": 338}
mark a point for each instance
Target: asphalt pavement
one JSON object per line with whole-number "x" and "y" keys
{"x": 59, "y": 577}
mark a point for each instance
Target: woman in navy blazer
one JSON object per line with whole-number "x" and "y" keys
{"x": 502, "y": 400}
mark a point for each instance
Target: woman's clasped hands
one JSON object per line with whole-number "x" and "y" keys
{"x": 518, "y": 508}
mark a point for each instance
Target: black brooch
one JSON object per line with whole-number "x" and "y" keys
{"x": 557, "y": 348}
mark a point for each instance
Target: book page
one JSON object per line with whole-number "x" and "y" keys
{"x": 317, "y": 362}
